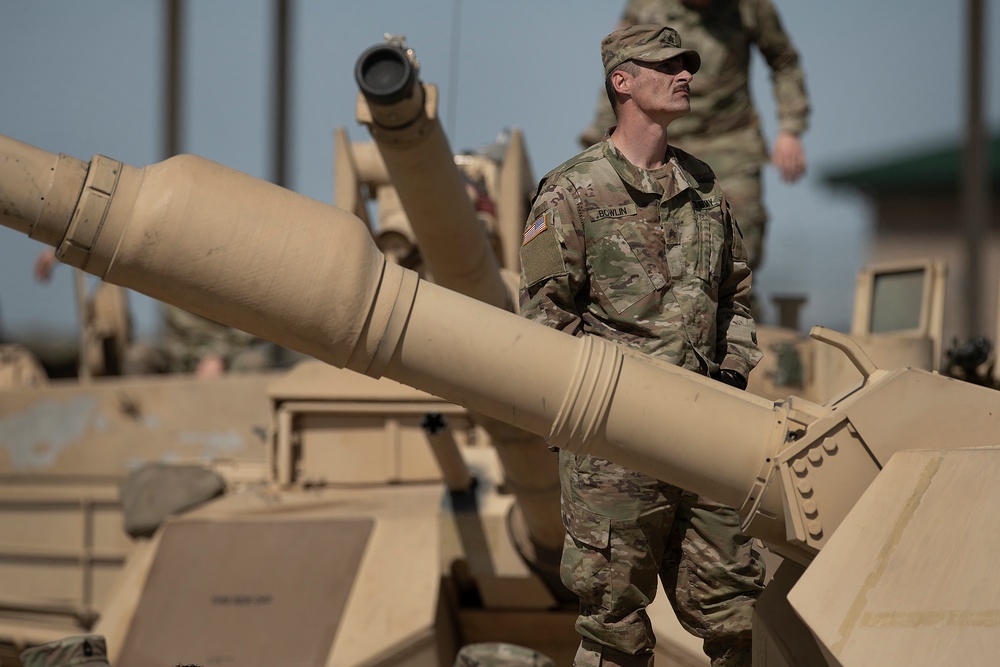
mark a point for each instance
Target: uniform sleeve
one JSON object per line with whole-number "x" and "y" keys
{"x": 787, "y": 77}
{"x": 736, "y": 330}
{"x": 553, "y": 273}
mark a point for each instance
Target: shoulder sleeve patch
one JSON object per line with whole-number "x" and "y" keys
{"x": 541, "y": 254}
{"x": 543, "y": 222}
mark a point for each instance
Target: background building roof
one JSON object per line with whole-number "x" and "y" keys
{"x": 935, "y": 169}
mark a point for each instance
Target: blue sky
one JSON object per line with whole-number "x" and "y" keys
{"x": 81, "y": 78}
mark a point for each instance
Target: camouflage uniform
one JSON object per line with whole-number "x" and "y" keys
{"x": 723, "y": 128}
{"x": 82, "y": 651}
{"x": 651, "y": 260}
{"x": 187, "y": 338}
{"x": 497, "y": 654}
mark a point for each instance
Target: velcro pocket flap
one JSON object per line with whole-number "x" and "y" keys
{"x": 587, "y": 526}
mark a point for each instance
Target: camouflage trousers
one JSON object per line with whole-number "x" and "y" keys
{"x": 744, "y": 193}
{"x": 624, "y": 531}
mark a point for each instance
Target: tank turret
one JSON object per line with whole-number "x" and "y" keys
{"x": 308, "y": 276}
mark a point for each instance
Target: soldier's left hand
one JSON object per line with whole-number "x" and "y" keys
{"x": 732, "y": 378}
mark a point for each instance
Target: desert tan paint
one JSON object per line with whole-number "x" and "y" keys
{"x": 204, "y": 237}
{"x": 346, "y": 182}
{"x": 410, "y": 138}
{"x": 908, "y": 577}
{"x": 199, "y": 235}
{"x": 516, "y": 187}
{"x": 431, "y": 189}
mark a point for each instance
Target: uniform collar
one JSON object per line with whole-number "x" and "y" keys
{"x": 677, "y": 180}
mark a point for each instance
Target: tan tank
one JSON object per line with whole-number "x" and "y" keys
{"x": 314, "y": 415}
{"x": 866, "y": 495}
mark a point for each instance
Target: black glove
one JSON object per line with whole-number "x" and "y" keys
{"x": 732, "y": 378}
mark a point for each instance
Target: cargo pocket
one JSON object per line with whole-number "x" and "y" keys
{"x": 711, "y": 237}
{"x": 585, "y": 567}
{"x": 618, "y": 272}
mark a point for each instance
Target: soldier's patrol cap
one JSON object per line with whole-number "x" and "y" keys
{"x": 648, "y": 43}
{"x": 82, "y": 651}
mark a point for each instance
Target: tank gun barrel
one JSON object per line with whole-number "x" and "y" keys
{"x": 308, "y": 276}
{"x": 208, "y": 239}
{"x": 401, "y": 113}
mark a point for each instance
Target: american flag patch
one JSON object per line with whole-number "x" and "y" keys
{"x": 536, "y": 228}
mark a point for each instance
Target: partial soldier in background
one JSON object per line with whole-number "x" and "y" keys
{"x": 78, "y": 651}
{"x": 190, "y": 343}
{"x": 20, "y": 368}
{"x": 195, "y": 344}
{"x": 723, "y": 128}
{"x": 498, "y": 654}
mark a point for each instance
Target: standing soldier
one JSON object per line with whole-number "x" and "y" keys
{"x": 633, "y": 241}
{"x": 723, "y": 128}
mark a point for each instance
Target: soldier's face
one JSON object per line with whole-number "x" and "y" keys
{"x": 663, "y": 90}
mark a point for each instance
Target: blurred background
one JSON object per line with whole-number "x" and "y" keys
{"x": 888, "y": 81}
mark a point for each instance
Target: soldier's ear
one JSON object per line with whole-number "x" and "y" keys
{"x": 621, "y": 81}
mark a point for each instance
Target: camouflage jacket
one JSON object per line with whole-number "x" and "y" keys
{"x": 651, "y": 260}
{"x": 722, "y": 34}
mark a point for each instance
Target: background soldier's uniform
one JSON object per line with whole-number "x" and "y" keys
{"x": 188, "y": 338}
{"x": 81, "y": 651}
{"x": 498, "y": 654}
{"x": 723, "y": 128}
{"x": 651, "y": 260}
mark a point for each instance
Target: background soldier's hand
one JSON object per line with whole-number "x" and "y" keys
{"x": 211, "y": 366}
{"x": 45, "y": 263}
{"x": 789, "y": 157}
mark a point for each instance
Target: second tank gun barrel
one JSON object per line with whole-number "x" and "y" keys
{"x": 401, "y": 114}
{"x": 453, "y": 242}
{"x": 385, "y": 75}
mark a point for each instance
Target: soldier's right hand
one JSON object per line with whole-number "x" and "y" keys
{"x": 789, "y": 157}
